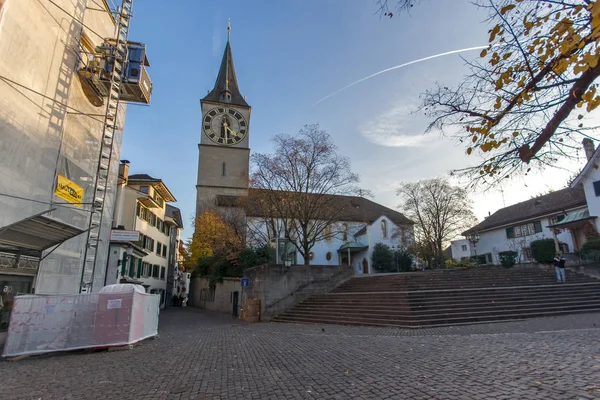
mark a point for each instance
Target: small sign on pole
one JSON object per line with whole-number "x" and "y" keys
{"x": 245, "y": 282}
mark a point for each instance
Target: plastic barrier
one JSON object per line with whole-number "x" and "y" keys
{"x": 41, "y": 324}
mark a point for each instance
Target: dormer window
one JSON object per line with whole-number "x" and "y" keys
{"x": 345, "y": 232}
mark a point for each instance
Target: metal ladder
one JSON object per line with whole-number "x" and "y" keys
{"x": 119, "y": 58}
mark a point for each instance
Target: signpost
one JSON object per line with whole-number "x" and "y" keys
{"x": 245, "y": 282}
{"x": 117, "y": 235}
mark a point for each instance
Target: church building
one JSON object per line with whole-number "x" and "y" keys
{"x": 223, "y": 176}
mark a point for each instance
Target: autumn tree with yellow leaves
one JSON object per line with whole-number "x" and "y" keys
{"x": 213, "y": 236}
{"x": 526, "y": 100}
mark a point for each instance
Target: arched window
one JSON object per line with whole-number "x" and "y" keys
{"x": 328, "y": 256}
{"x": 383, "y": 228}
{"x": 345, "y": 232}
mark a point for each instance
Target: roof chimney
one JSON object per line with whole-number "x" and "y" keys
{"x": 124, "y": 171}
{"x": 588, "y": 146}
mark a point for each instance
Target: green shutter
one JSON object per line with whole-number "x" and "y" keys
{"x": 510, "y": 233}
{"x": 139, "y": 270}
{"x": 131, "y": 266}
{"x": 123, "y": 263}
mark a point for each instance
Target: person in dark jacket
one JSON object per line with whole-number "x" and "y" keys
{"x": 559, "y": 267}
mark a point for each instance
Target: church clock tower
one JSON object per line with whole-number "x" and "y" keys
{"x": 224, "y": 153}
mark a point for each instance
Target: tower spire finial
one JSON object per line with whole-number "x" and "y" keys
{"x": 228, "y": 28}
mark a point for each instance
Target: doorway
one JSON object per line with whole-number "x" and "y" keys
{"x": 236, "y": 295}
{"x": 365, "y": 265}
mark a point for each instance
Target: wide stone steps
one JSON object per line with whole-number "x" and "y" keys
{"x": 448, "y": 298}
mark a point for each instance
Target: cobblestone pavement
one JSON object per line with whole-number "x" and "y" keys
{"x": 209, "y": 356}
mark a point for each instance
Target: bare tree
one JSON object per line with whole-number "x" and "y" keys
{"x": 524, "y": 102}
{"x": 440, "y": 212}
{"x": 295, "y": 188}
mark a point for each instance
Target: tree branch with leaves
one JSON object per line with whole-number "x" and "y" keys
{"x": 524, "y": 102}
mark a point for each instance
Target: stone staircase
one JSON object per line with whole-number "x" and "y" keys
{"x": 449, "y": 297}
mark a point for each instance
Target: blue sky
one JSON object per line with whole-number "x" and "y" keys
{"x": 288, "y": 55}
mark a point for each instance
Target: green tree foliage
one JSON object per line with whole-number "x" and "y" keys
{"x": 507, "y": 258}
{"x": 543, "y": 250}
{"x": 382, "y": 258}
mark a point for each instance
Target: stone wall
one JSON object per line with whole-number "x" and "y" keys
{"x": 219, "y": 300}
{"x": 280, "y": 288}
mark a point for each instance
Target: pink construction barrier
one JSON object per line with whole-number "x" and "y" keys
{"x": 119, "y": 315}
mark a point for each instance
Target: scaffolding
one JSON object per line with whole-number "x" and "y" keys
{"x": 117, "y": 56}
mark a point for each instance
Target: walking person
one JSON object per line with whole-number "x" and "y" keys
{"x": 559, "y": 267}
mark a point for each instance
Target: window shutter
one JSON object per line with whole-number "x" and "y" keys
{"x": 131, "y": 267}
{"x": 537, "y": 226}
{"x": 510, "y": 233}
{"x": 139, "y": 270}
{"x": 123, "y": 263}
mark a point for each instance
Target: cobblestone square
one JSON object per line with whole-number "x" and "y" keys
{"x": 210, "y": 356}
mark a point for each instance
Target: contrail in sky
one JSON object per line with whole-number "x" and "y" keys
{"x": 400, "y": 66}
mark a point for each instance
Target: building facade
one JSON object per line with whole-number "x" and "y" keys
{"x": 461, "y": 248}
{"x": 50, "y": 136}
{"x": 141, "y": 211}
{"x": 513, "y": 228}
{"x": 348, "y": 241}
{"x": 589, "y": 180}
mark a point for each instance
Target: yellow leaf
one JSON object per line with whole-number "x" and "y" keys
{"x": 507, "y": 8}
{"x": 483, "y": 53}
{"x": 469, "y": 151}
{"x": 515, "y": 134}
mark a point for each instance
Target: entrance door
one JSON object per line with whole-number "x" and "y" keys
{"x": 365, "y": 266}
{"x": 236, "y": 295}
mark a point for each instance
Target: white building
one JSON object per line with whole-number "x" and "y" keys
{"x": 141, "y": 211}
{"x": 589, "y": 180}
{"x": 362, "y": 224}
{"x": 513, "y": 228}
{"x": 461, "y": 248}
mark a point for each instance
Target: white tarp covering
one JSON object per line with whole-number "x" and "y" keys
{"x": 41, "y": 324}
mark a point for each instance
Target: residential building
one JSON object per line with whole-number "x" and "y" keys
{"x": 589, "y": 180}
{"x": 461, "y": 248}
{"x": 176, "y": 282}
{"x": 223, "y": 166}
{"x": 52, "y": 131}
{"x": 515, "y": 227}
{"x": 141, "y": 212}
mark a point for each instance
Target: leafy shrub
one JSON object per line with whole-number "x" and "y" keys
{"x": 382, "y": 258}
{"x": 591, "y": 255}
{"x": 451, "y": 263}
{"x": 543, "y": 250}
{"x": 507, "y": 258}
{"x": 404, "y": 260}
{"x": 591, "y": 245}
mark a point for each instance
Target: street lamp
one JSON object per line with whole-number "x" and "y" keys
{"x": 474, "y": 238}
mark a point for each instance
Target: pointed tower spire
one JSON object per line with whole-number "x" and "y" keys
{"x": 226, "y": 88}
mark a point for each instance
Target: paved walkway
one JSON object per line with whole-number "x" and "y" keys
{"x": 209, "y": 356}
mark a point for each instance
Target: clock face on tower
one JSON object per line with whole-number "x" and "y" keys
{"x": 225, "y": 125}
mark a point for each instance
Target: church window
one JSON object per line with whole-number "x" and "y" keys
{"x": 328, "y": 256}
{"x": 383, "y": 228}
{"x": 345, "y": 232}
{"x": 224, "y": 169}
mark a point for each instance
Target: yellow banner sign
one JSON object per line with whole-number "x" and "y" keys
{"x": 69, "y": 191}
